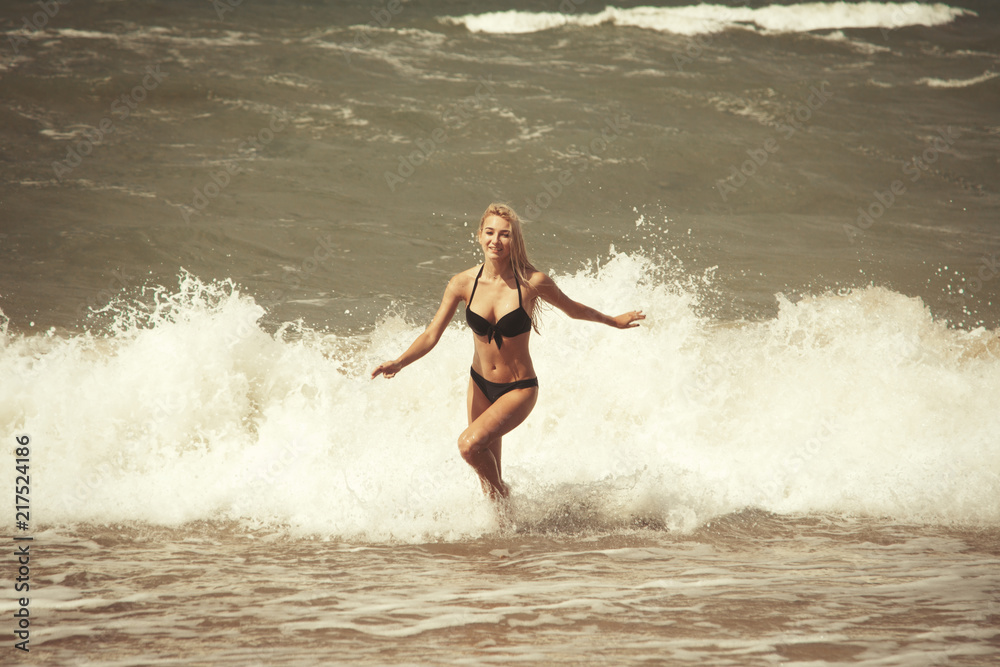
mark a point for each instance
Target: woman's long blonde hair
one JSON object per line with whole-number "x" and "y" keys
{"x": 519, "y": 261}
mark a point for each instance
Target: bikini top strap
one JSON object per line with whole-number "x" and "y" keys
{"x": 518, "y": 283}
{"x": 475, "y": 285}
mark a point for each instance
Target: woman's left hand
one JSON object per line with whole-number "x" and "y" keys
{"x": 628, "y": 320}
{"x": 387, "y": 369}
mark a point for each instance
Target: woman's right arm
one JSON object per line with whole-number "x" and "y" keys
{"x": 426, "y": 341}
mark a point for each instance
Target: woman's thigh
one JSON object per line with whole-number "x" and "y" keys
{"x": 477, "y": 402}
{"x": 490, "y": 421}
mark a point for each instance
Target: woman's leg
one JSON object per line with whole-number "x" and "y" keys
{"x": 477, "y": 405}
{"x": 480, "y": 444}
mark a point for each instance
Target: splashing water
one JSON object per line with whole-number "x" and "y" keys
{"x": 187, "y": 409}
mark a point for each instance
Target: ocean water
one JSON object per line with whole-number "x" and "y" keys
{"x": 217, "y": 217}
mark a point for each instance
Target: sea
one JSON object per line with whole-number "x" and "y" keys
{"x": 218, "y": 216}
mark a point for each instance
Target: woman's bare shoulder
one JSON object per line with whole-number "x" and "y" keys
{"x": 461, "y": 283}
{"x": 537, "y": 279}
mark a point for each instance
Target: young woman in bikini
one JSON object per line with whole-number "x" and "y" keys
{"x": 503, "y": 387}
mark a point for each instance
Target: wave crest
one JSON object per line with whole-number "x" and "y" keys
{"x": 188, "y": 410}
{"x": 706, "y": 19}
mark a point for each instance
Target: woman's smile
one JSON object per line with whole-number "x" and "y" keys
{"x": 495, "y": 235}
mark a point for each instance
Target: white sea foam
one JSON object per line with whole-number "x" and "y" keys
{"x": 858, "y": 45}
{"x": 159, "y": 34}
{"x": 704, "y": 18}
{"x": 958, "y": 83}
{"x": 188, "y": 410}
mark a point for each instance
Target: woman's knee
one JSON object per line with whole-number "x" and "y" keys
{"x": 470, "y": 443}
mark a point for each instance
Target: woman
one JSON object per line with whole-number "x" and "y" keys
{"x": 503, "y": 387}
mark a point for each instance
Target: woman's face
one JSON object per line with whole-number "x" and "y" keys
{"x": 495, "y": 238}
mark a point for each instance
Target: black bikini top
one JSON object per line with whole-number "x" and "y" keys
{"x": 514, "y": 323}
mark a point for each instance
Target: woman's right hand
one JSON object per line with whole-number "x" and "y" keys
{"x": 388, "y": 369}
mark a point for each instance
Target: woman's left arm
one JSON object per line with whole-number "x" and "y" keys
{"x": 548, "y": 290}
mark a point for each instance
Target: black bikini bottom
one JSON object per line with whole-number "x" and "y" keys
{"x": 494, "y": 390}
